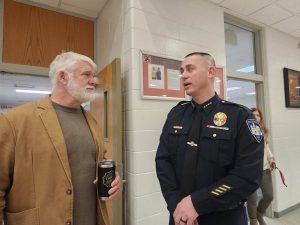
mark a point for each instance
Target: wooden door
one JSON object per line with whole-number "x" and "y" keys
{"x": 107, "y": 110}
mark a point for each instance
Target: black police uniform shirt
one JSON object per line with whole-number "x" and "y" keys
{"x": 229, "y": 155}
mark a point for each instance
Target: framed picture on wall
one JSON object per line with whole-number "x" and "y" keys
{"x": 161, "y": 78}
{"x": 291, "y": 88}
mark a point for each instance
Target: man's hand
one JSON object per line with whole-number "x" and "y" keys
{"x": 115, "y": 187}
{"x": 185, "y": 212}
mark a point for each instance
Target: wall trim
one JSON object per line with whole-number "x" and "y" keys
{"x": 286, "y": 211}
{"x": 24, "y": 69}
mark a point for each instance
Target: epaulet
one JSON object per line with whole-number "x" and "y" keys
{"x": 236, "y": 104}
{"x": 183, "y": 103}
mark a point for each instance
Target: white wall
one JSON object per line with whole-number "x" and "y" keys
{"x": 109, "y": 31}
{"x": 171, "y": 28}
{"x": 282, "y": 51}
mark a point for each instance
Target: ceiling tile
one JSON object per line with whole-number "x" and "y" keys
{"x": 93, "y": 5}
{"x": 245, "y": 7}
{"x": 216, "y": 1}
{"x": 52, "y": 3}
{"x": 292, "y": 5}
{"x": 296, "y": 33}
{"x": 80, "y": 11}
{"x": 271, "y": 14}
{"x": 288, "y": 25}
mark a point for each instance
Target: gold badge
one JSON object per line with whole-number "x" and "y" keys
{"x": 220, "y": 119}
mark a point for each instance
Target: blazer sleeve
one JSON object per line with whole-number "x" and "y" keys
{"x": 7, "y": 143}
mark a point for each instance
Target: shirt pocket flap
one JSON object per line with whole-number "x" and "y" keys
{"x": 217, "y": 134}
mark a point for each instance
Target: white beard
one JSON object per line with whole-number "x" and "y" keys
{"x": 81, "y": 94}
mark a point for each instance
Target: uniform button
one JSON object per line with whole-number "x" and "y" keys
{"x": 214, "y": 135}
{"x": 69, "y": 191}
{"x": 175, "y": 131}
{"x": 69, "y": 222}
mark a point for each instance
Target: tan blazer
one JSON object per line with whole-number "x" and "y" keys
{"x": 35, "y": 181}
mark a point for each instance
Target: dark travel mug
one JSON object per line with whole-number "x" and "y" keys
{"x": 106, "y": 175}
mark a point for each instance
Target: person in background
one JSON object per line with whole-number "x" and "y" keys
{"x": 210, "y": 155}
{"x": 49, "y": 153}
{"x": 256, "y": 212}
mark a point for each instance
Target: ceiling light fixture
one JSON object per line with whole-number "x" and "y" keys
{"x": 24, "y": 85}
{"x": 32, "y": 91}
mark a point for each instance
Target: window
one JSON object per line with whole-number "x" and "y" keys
{"x": 242, "y": 92}
{"x": 240, "y": 49}
{"x": 243, "y": 63}
{"x": 18, "y": 89}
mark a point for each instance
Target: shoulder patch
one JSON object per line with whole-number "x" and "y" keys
{"x": 255, "y": 129}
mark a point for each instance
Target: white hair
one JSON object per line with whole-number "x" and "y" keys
{"x": 67, "y": 62}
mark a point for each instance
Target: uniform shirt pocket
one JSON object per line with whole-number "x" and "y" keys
{"x": 177, "y": 136}
{"x": 217, "y": 145}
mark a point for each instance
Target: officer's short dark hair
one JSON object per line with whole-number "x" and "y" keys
{"x": 205, "y": 55}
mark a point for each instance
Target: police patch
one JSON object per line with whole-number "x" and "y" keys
{"x": 255, "y": 129}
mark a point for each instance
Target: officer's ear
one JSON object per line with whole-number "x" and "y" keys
{"x": 211, "y": 72}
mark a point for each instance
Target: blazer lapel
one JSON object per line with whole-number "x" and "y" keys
{"x": 51, "y": 123}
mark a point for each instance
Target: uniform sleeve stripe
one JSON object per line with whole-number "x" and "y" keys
{"x": 225, "y": 186}
{"x": 223, "y": 189}
{"x": 215, "y": 193}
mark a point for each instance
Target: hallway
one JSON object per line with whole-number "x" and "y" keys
{"x": 292, "y": 218}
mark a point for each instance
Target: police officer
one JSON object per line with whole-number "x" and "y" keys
{"x": 210, "y": 155}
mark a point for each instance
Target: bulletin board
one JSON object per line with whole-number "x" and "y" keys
{"x": 161, "y": 78}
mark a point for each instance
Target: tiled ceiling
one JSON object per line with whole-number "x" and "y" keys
{"x": 283, "y": 15}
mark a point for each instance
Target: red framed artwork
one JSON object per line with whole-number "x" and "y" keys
{"x": 161, "y": 78}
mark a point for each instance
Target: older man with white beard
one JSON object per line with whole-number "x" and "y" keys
{"x": 49, "y": 152}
